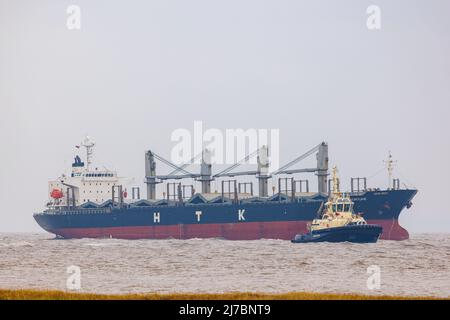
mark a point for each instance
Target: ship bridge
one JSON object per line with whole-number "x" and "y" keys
{"x": 84, "y": 184}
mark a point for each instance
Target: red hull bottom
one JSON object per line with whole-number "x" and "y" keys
{"x": 285, "y": 230}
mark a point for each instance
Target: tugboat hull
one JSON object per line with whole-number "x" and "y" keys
{"x": 368, "y": 233}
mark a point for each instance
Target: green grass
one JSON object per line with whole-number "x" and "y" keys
{"x": 25, "y": 294}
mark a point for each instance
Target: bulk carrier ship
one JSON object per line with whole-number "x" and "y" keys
{"x": 93, "y": 203}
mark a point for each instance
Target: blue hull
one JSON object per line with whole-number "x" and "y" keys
{"x": 352, "y": 233}
{"x": 280, "y": 218}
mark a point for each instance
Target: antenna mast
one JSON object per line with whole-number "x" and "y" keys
{"x": 390, "y": 168}
{"x": 336, "y": 189}
{"x": 89, "y": 145}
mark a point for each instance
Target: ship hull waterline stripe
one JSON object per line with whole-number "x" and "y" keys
{"x": 284, "y": 230}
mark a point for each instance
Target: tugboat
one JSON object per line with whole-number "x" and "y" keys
{"x": 338, "y": 222}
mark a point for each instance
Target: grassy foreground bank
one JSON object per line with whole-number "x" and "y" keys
{"x": 23, "y": 294}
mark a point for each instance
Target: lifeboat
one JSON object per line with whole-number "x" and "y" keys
{"x": 56, "y": 194}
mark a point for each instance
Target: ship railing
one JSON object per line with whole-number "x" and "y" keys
{"x": 79, "y": 210}
{"x": 358, "y": 184}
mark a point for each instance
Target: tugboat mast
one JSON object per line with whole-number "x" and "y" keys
{"x": 336, "y": 190}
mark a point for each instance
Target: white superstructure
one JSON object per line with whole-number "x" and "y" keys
{"x": 84, "y": 183}
{"x": 338, "y": 210}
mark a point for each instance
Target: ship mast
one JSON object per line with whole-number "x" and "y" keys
{"x": 336, "y": 191}
{"x": 89, "y": 145}
{"x": 390, "y": 168}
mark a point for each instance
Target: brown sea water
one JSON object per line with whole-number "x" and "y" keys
{"x": 419, "y": 266}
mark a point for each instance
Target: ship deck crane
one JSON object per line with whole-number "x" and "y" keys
{"x": 262, "y": 173}
{"x": 321, "y": 169}
{"x": 151, "y": 178}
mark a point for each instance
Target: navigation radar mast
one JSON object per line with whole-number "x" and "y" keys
{"x": 335, "y": 179}
{"x": 390, "y": 168}
{"x": 89, "y": 144}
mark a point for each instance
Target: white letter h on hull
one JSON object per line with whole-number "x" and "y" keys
{"x": 156, "y": 217}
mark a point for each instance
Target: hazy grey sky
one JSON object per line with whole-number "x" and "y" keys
{"x": 137, "y": 70}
